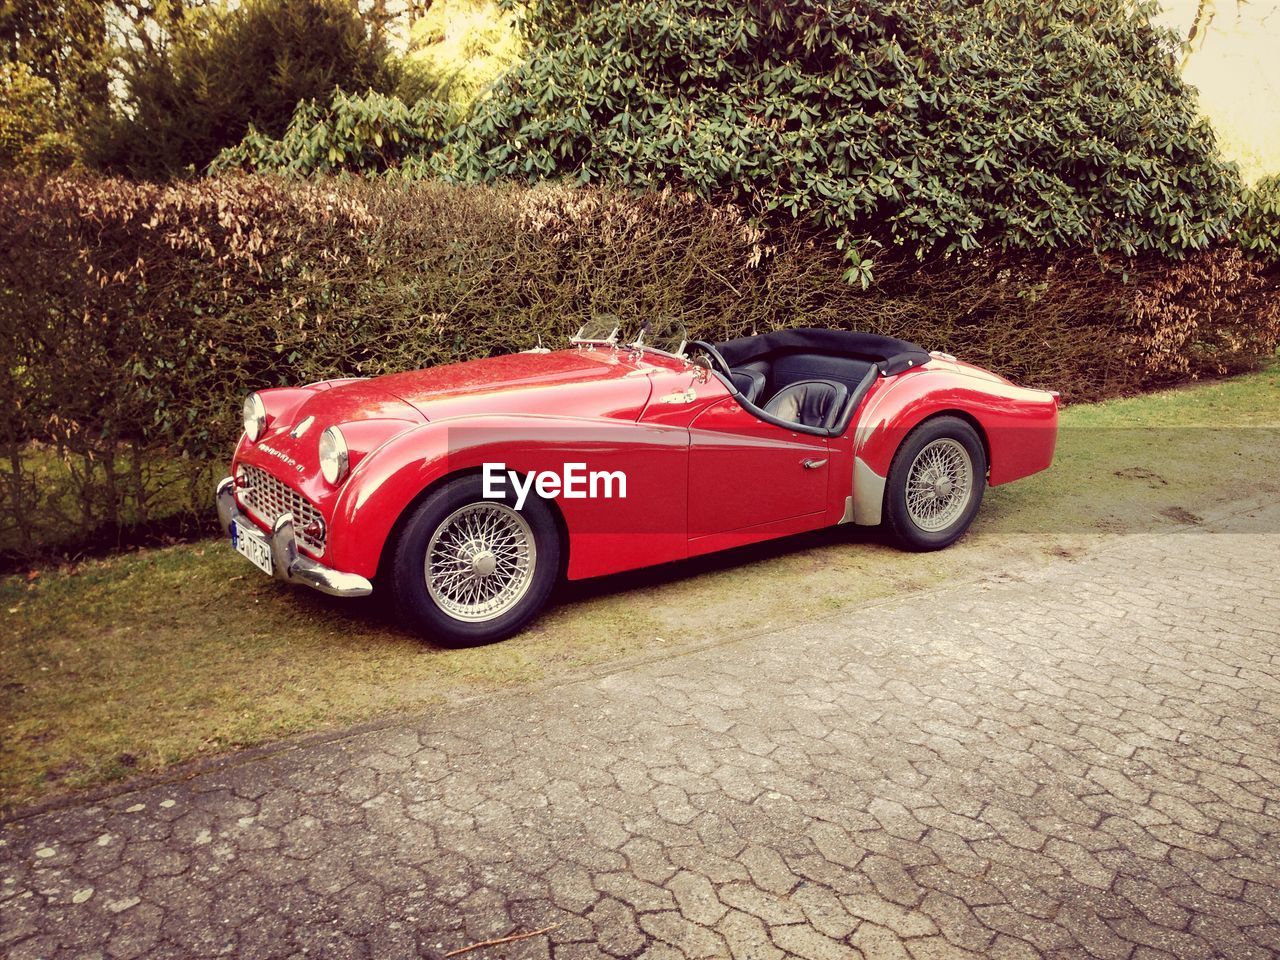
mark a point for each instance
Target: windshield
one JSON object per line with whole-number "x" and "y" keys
{"x": 668, "y": 336}
{"x": 605, "y": 328}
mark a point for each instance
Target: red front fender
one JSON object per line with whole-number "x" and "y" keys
{"x": 647, "y": 526}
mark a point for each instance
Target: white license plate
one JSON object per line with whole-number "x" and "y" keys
{"x": 251, "y": 544}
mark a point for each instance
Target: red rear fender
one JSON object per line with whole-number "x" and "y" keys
{"x": 1018, "y": 425}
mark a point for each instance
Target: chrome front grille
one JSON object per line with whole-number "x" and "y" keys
{"x": 267, "y": 498}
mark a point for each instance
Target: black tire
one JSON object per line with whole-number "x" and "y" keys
{"x": 426, "y": 613}
{"x": 904, "y": 528}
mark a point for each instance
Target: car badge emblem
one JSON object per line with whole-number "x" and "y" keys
{"x": 302, "y": 427}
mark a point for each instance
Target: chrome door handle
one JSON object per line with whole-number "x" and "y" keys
{"x": 813, "y": 464}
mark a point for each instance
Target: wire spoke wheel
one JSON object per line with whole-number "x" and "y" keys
{"x": 939, "y": 485}
{"x": 480, "y": 561}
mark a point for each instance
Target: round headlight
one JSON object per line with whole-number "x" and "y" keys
{"x": 255, "y": 416}
{"x": 333, "y": 455}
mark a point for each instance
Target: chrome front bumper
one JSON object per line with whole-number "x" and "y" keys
{"x": 289, "y": 565}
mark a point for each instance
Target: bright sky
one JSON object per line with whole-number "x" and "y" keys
{"x": 1237, "y": 70}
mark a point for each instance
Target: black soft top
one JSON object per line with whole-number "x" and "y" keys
{"x": 890, "y": 354}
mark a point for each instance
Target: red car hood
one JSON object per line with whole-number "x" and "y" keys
{"x": 568, "y": 383}
{"x": 349, "y": 401}
{"x": 573, "y": 383}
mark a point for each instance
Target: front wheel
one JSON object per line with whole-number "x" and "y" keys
{"x": 470, "y": 570}
{"x": 935, "y": 484}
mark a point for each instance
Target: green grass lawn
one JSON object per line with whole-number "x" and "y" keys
{"x": 129, "y": 664}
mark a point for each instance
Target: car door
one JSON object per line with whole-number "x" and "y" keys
{"x": 746, "y": 474}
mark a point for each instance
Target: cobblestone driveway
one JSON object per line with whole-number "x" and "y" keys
{"x": 1086, "y": 763}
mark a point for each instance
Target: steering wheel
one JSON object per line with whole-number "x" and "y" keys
{"x": 715, "y": 361}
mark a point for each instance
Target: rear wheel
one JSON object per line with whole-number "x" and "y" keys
{"x": 935, "y": 484}
{"x": 469, "y": 570}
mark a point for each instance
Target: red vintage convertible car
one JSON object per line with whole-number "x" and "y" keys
{"x": 466, "y": 491}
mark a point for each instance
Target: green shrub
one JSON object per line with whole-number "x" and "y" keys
{"x": 941, "y": 127}
{"x": 368, "y": 134}
{"x": 1259, "y": 230}
{"x": 457, "y": 50}
{"x": 137, "y": 316}
{"x": 231, "y": 69}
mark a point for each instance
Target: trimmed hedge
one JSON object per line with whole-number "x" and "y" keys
{"x": 137, "y": 316}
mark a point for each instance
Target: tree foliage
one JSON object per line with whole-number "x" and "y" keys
{"x": 224, "y": 71}
{"x": 940, "y": 125}
{"x": 31, "y": 138}
{"x": 457, "y": 49}
{"x": 63, "y": 42}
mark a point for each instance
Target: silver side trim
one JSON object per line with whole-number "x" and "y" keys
{"x": 868, "y": 494}
{"x": 289, "y": 565}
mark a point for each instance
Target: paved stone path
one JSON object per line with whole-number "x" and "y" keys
{"x": 1085, "y": 762}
